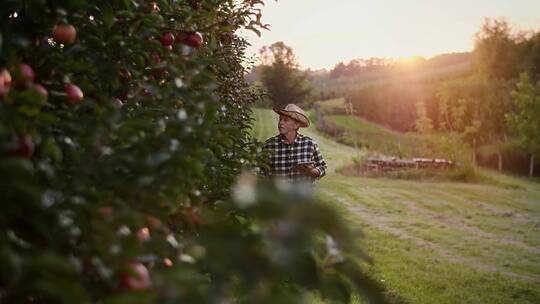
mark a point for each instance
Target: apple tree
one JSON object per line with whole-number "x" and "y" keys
{"x": 525, "y": 119}
{"x": 124, "y": 125}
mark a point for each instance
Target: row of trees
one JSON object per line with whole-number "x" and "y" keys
{"x": 483, "y": 107}
{"x": 488, "y": 106}
{"x": 124, "y": 125}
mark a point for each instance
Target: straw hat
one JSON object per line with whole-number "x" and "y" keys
{"x": 295, "y": 112}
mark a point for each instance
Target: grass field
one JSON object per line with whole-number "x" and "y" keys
{"x": 437, "y": 242}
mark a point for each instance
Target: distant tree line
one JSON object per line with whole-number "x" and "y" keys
{"x": 356, "y": 67}
{"x": 494, "y": 105}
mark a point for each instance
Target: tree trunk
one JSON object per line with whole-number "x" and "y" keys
{"x": 531, "y": 166}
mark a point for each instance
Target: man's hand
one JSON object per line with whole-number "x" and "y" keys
{"x": 308, "y": 169}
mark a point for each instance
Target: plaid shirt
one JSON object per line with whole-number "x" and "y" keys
{"x": 283, "y": 157}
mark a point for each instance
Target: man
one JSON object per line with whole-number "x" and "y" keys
{"x": 292, "y": 155}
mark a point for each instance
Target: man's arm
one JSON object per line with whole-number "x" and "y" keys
{"x": 317, "y": 168}
{"x": 319, "y": 162}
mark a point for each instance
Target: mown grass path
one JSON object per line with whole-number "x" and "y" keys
{"x": 436, "y": 242}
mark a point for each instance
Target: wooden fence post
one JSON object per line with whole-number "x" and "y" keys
{"x": 474, "y": 153}
{"x": 531, "y": 166}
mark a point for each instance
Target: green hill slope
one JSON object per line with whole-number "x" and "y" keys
{"x": 438, "y": 242}
{"x": 378, "y": 139}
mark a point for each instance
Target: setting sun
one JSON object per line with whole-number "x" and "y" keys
{"x": 323, "y": 33}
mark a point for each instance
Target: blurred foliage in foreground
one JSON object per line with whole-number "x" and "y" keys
{"x": 123, "y": 127}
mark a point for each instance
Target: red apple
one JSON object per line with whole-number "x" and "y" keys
{"x": 24, "y": 147}
{"x": 167, "y": 262}
{"x": 143, "y": 234}
{"x": 152, "y": 221}
{"x": 106, "y": 213}
{"x": 155, "y": 58}
{"x": 64, "y": 33}
{"x": 74, "y": 93}
{"x": 167, "y": 39}
{"x": 5, "y": 82}
{"x": 154, "y": 7}
{"x": 24, "y": 75}
{"x": 125, "y": 74}
{"x": 5, "y": 78}
{"x": 138, "y": 277}
{"x": 194, "y": 40}
{"x": 41, "y": 90}
{"x": 122, "y": 96}
{"x": 192, "y": 215}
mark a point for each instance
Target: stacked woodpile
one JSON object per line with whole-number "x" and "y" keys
{"x": 384, "y": 165}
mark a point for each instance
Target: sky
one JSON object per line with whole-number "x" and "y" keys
{"x": 323, "y": 33}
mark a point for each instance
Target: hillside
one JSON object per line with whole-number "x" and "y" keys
{"x": 437, "y": 242}
{"x": 354, "y": 78}
{"x": 374, "y": 137}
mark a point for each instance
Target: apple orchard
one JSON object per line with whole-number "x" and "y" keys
{"x": 124, "y": 125}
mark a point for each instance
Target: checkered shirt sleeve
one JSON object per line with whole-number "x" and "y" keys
{"x": 283, "y": 157}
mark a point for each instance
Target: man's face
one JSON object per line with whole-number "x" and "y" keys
{"x": 287, "y": 124}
